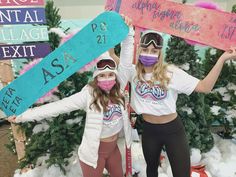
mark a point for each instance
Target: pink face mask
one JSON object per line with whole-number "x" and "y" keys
{"x": 106, "y": 85}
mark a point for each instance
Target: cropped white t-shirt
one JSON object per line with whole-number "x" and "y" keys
{"x": 147, "y": 99}
{"x": 112, "y": 121}
{"x": 152, "y": 99}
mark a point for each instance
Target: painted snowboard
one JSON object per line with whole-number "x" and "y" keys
{"x": 101, "y": 34}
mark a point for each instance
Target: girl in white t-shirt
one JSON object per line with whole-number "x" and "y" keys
{"x": 106, "y": 117}
{"x": 155, "y": 86}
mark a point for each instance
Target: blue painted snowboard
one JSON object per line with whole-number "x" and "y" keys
{"x": 101, "y": 34}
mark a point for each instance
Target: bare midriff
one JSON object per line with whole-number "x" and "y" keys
{"x": 159, "y": 119}
{"x": 148, "y": 118}
{"x": 110, "y": 139}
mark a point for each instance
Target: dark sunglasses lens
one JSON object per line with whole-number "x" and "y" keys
{"x": 102, "y": 63}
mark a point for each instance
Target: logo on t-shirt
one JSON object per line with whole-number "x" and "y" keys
{"x": 113, "y": 114}
{"x": 148, "y": 92}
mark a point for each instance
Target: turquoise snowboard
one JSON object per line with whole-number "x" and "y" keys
{"x": 104, "y": 32}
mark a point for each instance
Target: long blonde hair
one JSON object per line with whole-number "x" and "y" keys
{"x": 101, "y": 98}
{"x": 159, "y": 71}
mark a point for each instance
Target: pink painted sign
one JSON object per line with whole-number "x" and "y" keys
{"x": 211, "y": 27}
{"x": 21, "y": 2}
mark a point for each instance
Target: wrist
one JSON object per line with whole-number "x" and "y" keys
{"x": 222, "y": 60}
{"x": 131, "y": 31}
{"x": 112, "y": 54}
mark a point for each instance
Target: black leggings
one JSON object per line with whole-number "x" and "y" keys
{"x": 172, "y": 136}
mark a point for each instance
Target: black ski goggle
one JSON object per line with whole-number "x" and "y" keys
{"x": 151, "y": 38}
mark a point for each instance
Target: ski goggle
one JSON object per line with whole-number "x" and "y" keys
{"x": 151, "y": 38}
{"x": 106, "y": 63}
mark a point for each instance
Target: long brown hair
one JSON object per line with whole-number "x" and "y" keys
{"x": 159, "y": 71}
{"x": 101, "y": 98}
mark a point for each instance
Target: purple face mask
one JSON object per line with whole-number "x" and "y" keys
{"x": 148, "y": 60}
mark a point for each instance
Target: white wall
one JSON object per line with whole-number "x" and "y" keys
{"x": 80, "y": 9}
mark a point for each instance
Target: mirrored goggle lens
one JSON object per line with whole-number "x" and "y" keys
{"x": 151, "y": 38}
{"x": 102, "y": 64}
{"x": 145, "y": 45}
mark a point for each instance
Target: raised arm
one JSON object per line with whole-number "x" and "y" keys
{"x": 114, "y": 56}
{"x": 126, "y": 69}
{"x": 127, "y": 49}
{"x": 66, "y": 105}
{"x": 207, "y": 84}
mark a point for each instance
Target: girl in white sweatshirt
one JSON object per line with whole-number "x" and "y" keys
{"x": 106, "y": 117}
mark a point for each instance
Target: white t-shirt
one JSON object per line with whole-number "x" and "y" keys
{"x": 153, "y": 100}
{"x": 146, "y": 99}
{"x": 112, "y": 121}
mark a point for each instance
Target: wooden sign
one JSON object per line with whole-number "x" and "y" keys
{"x": 28, "y": 51}
{"x": 23, "y": 33}
{"x": 22, "y": 16}
{"x": 211, "y": 27}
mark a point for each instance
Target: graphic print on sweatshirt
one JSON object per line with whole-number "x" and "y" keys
{"x": 150, "y": 93}
{"x": 113, "y": 115}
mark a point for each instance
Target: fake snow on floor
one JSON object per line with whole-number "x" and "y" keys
{"x": 219, "y": 162}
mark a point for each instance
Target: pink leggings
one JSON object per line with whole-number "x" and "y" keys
{"x": 109, "y": 157}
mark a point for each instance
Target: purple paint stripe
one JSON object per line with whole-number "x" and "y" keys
{"x": 34, "y": 50}
{"x": 22, "y": 16}
{"x": 118, "y": 4}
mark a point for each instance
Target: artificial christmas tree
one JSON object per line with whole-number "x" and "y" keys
{"x": 53, "y": 21}
{"x": 222, "y": 99}
{"x": 192, "y": 109}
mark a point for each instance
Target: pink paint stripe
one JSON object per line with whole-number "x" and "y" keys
{"x": 21, "y": 2}
{"x": 110, "y": 5}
